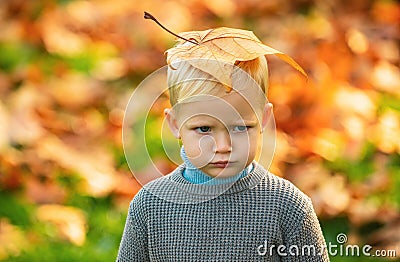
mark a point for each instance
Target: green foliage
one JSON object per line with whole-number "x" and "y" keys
{"x": 14, "y": 54}
{"x": 388, "y": 101}
{"x": 82, "y": 63}
{"x": 394, "y": 192}
{"x": 152, "y": 136}
{"x": 355, "y": 170}
{"x": 103, "y": 237}
{"x": 16, "y": 211}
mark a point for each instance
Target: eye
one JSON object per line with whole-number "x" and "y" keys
{"x": 240, "y": 128}
{"x": 203, "y": 129}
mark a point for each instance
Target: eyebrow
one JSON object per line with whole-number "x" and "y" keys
{"x": 202, "y": 122}
{"x": 252, "y": 119}
{"x": 245, "y": 122}
{"x": 195, "y": 121}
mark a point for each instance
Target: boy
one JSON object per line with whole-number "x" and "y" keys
{"x": 220, "y": 204}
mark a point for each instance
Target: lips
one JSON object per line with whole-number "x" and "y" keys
{"x": 220, "y": 164}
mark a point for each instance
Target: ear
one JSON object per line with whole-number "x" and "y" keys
{"x": 267, "y": 113}
{"x": 170, "y": 117}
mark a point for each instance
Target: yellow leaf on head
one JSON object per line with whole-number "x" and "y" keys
{"x": 225, "y": 45}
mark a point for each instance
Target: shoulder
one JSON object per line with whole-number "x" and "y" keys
{"x": 284, "y": 194}
{"x": 292, "y": 206}
{"x": 153, "y": 190}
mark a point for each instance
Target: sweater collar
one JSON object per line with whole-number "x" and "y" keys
{"x": 177, "y": 189}
{"x": 196, "y": 176}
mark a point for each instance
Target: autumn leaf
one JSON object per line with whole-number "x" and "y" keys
{"x": 224, "y": 45}
{"x": 70, "y": 221}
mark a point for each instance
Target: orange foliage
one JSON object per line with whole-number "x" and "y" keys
{"x": 67, "y": 71}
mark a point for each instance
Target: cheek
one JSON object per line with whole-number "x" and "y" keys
{"x": 190, "y": 143}
{"x": 246, "y": 140}
{"x": 196, "y": 145}
{"x": 240, "y": 142}
{"x": 246, "y": 145}
{"x": 198, "y": 149}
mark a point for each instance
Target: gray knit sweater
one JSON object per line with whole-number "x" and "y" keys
{"x": 260, "y": 217}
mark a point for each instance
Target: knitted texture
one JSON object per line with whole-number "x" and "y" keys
{"x": 246, "y": 222}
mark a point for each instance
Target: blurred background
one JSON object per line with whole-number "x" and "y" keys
{"x": 68, "y": 68}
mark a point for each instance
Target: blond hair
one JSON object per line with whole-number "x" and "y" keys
{"x": 185, "y": 80}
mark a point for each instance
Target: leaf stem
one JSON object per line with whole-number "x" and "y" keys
{"x": 149, "y": 16}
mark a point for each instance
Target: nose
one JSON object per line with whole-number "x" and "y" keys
{"x": 223, "y": 143}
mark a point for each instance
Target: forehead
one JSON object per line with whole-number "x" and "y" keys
{"x": 228, "y": 108}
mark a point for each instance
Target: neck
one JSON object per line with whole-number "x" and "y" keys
{"x": 196, "y": 176}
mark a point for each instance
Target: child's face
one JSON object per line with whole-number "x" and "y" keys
{"x": 220, "y": 135}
